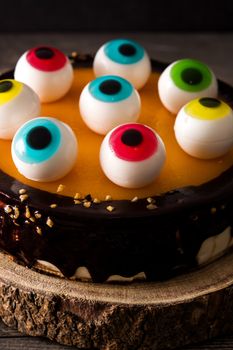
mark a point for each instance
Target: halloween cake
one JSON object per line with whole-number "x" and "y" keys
{"x": 114, "y": 167}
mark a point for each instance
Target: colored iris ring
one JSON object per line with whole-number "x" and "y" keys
{"x": 191, "y": 75}
{"x": 131, "y": 150}
{"x": 10, "y": 94}
{"x": 197, "y": 109}
{"x": 124, "y": 51}
{"x": 121, "y": 89}
{"x": 25, "y": 152}
{"x": 55, "y": 61}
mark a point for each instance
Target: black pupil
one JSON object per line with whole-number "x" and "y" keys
{"x": 191, "y": 76}
{"x": 127, "y": 50}
{"x": 44, "y": 53}
{"x": 39, "y": 137}
{"x": 132, "y": 137}
{"x": 5, "y": 86}
{"x": 209, "y": 102}
{"x": 110, "y": 87}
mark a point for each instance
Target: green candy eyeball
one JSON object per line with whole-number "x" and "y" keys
{"x": 185, "y": 80}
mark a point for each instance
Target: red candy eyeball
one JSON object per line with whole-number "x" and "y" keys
{"x": 45, "y": 58}
{"x": 132, "y": 155}
{"x": 47, "y": 71}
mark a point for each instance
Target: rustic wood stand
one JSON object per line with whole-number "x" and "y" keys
{"x": 186, "y": 309}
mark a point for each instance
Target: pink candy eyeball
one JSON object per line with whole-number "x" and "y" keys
{"x": 132, "y": 155}
{"x": 109, "y": 101}
{"x": 47, "y": 71}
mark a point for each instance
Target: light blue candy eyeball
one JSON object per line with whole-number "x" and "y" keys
{"x": 44, "y": 149}
{"x": 107, "y": 102}
{"x": 125, "y": 58}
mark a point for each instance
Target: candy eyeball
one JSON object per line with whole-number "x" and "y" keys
{"x": 18, "y": 104}
{"x": 132, "y": 155}
{"x": 125, "y": 58}
{"x": 47, "y": 71}
{"x": 109, "y": 101}
{"x": 44, "y": 149}
{"x": 204, "y": 128}
{"x": 185, "y": 80}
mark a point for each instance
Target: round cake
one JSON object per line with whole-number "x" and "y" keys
{"x": 85, "y": 226}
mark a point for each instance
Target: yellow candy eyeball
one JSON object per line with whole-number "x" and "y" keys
{"x": 184, "y": 80}
{"x": 204, "y": 128}
{"x": 18, "y": 104}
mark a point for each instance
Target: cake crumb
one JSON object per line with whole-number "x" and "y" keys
{"x": 23, "y": 197}
{"x": 77, "y": 195}
{"x": 60, "y": 188}
{"x": 87, "y": 204}
{"x": 134, "y": 199}
{"x": 151, "y": 206}
{"x": 22, "y": 191}
{"x": 150, "y": 200}
{"x": 37, "y": 215}
{"x": 38, "y": 230}
{"x": 8, "y": 209}
{"x": 213, "y": 210}
{"x": 49, "y": 222}
{"x": 108, "y": 197}
{"x": 96, "y": 200}
{"x": 53, "y": 205}
{"x": 27, "y": 213}
{"x": 110, "y": 208}
{"x": 76, "y": 201}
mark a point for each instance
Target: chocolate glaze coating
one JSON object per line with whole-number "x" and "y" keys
{"x": 161, "y": 242}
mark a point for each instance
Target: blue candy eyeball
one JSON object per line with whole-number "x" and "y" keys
{"x": 107, "y": 102}
{"x": 125, "y": 58}
{"x": 44, "y": 149}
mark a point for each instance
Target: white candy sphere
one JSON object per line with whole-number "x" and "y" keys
{"x": 44, "y": 149}
{"x": 185, "y": 80}
{"x": 18, "y": 104}
{"x": 109, "y": 101}
{"x": 125, "y": 58}
{"x": 132, "y": 155}
{"x": 47, "y": 71}
{"x": 204, "y": 128}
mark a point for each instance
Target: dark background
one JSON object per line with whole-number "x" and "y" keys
{"x": 120, "y": 15}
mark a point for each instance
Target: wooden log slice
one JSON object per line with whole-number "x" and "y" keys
{"x": 185, "y": 309}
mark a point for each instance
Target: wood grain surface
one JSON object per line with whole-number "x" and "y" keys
{"x": 215, "y": 49}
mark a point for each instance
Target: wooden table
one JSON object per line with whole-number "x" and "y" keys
{"x": 214, "y": 49}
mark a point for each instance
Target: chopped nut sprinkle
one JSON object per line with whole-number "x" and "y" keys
{"x": 151, "y": 206}
{"x": 96, "y": 200}
{"x": 27, "y": 222}
{"x": 134, "y": 199}
{"x": 76, "y": 201}
{"x": 213, "y": 210}
{"x": 60, "y": 188}
{"x": 77, "y": 196}
{"x": 23, "y": 197}
{"x": 87, "y": 204}
{"x": 16, "y": 212}
{"x": 12, "y": 216}
{"x": 110, "y": 208}
{"x": 7, "y": 209}
{"x": 108, "y": 197}
{"x": 38, "y": 230}
{"x": 37, "y": 215}
{"x": 32, "y": 219}
{"x": 49, "y": 222}
{"x": 150, "y": 200}
{"x": 54, "y": 205}
{"x": 22, "y": 191}
{"x": 27, "y": 213}
{"x": 15, "y": 223}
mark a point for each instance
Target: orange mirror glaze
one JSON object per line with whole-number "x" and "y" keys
{"x": 87, "y": 177}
